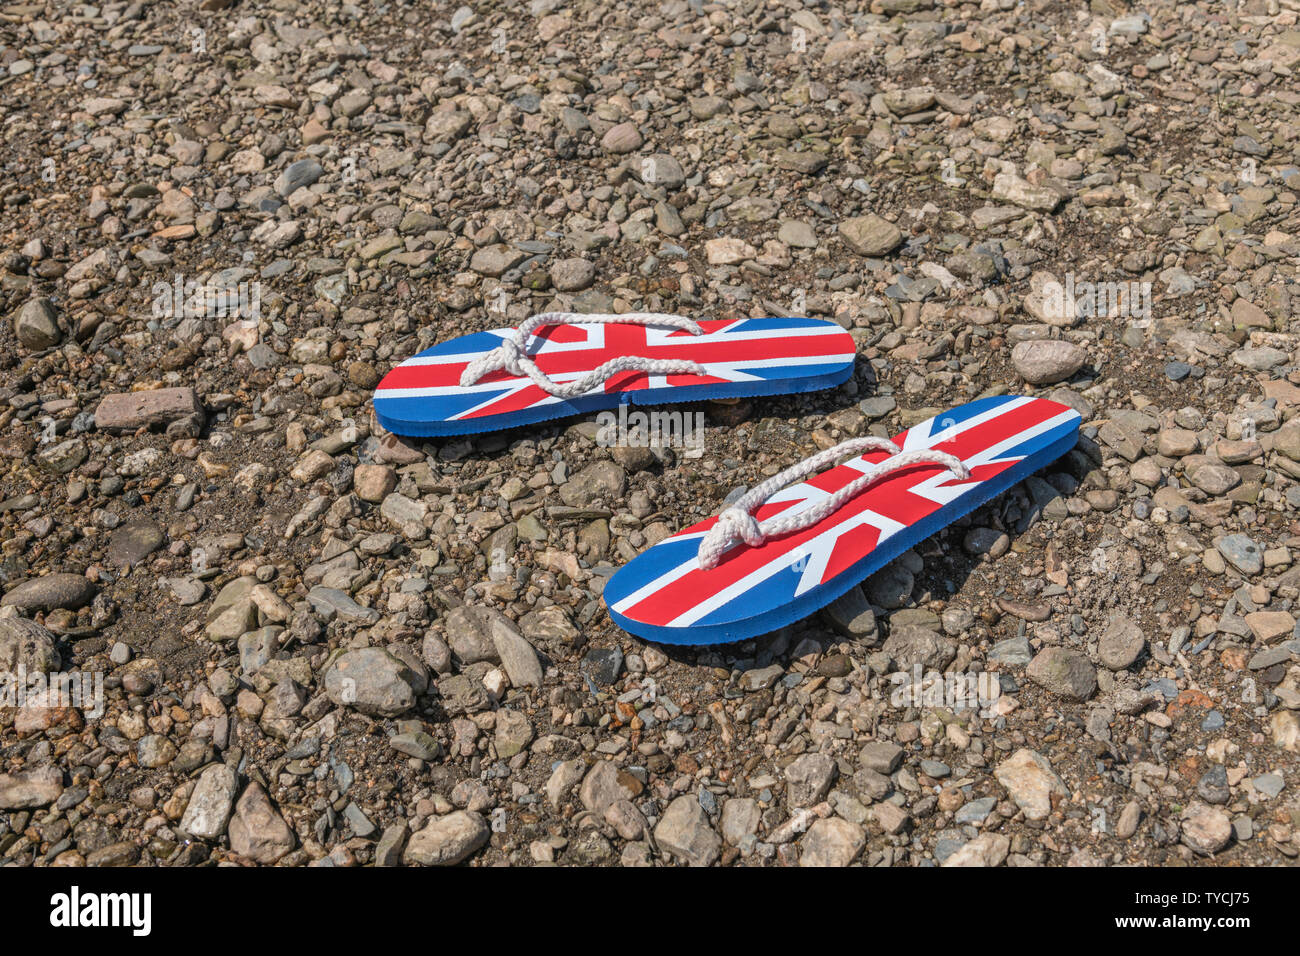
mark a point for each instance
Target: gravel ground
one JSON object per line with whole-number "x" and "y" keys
{"x": 320, "y": 645}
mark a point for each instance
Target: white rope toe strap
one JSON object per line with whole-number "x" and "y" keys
{"x": 737, "y": 523}
{"x": 512, "y": 354}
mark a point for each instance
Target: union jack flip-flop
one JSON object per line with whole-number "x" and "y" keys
{"x": 562, "y": 363}
{"x": 780, "y": 553}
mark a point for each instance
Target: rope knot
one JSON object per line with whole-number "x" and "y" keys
{"x": 743, "y": 525}
{"x": 737, "y": 522}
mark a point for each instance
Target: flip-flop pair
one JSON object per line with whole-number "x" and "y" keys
{"x": 781, "y": 551}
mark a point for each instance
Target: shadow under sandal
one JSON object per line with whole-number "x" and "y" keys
{"x": 780, "y": 553}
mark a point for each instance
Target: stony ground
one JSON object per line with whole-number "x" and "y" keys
{"x": 320, "y": 645}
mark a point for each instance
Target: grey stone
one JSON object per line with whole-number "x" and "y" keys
{"x": 1120, "y": 643}
{"x": 870, "y": 235}
{"x": 1205, "y": 829}
{"x": 298, "y": 175}
{"x": 448, "y": 840}
{"x": 134, "y": 541}
{"x": 51, "y": 592}
{"x": 1044, "y": 361}
{"x": 831, "y": 842}
{"x": 1062, "y": 671}
{"x": 685, "y": 833}
{"x": 27, "y": 645}
{"x": 26, "y": 789}
{"x": 1031, "y": 782}
{"x": 1242, "y": 552}
{"x": 911, "y": 645}
{"x": 211, "y": 803}
{"x": 808, "y": 779}
{"x": 372, "y": 681}
{"x": 36, "y": 325}
{"x": 257, "y": 830}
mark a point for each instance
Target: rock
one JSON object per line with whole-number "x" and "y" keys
{"x": 890, "y": 587}
{"x": 851, "y": 614}
{"x": 133, "y": 542}
{"x": 1013, "y": 189}
{"x": 36, "y": 325}
{"x": 26, "y": 646}
{"x": 27, "y": 789}
{"x": 517, "y": 656}
{"x": 1030, "y": 781}
{"x": 606, "y": 783}
{"x": 372, "y": 681}
{"x": 622, "y": 138}
{"x": 1284, "y": 730}
{"x": 1270, "y": 626}
{"x": 155, "y": 751}
{"x": 741, "y": 817}
{"x": 1065, "y": 672}
{"x": 513, "y": 733}
{"x": 685, "y": 833}
{"x": 603, "y": 665}
{"x": 808, "y": 779}
{"x": 64, "y": 457}
{"x": 881, "y": 756}
{"x": 599, "y": 481}
{"x": 419, "y": 745}
{"x": 122, "y": 853}
{"x": 298, "y": 176}
{"x": 1242, "y": 552}
{"x": 661, "y": 169}
{"x": 1205, "y": 829}
{"x": 392, "y": 843}
{"x": 728, "y": 252}
{"x": 566, "y": 775}
{"x": 1044, "y": 361}
{"x": 908, "y": 101}
{"x": 373, "y": 483}
{"x": 912, "y": 646}
{"x": 1213, "y": 786}
{"x": 831, "y": 842}
{"x": 572, "y": 275}
{"x": 471, "y": 633}
{"x": 211, "y": 803}
{"x": 987, "y": 849}
{"x": 798, "y": 234}
{"x": 1121, "y": 643}
{"x": 232, "y": 612}
{"x": 495, "y": 260}
{"x": 870, "y": 235}
{"x": 49, "y": 593}
{"x": 159, "y": 406}
{"x": 331, "y": 603}
{"x": 257, "y": 831}
{"x": 446, "y": 841}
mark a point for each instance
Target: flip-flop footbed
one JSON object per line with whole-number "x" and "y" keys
{"x": 664, "y": 595}
{"x": 423, "y": 397}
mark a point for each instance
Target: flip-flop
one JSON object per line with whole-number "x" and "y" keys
{"x": 562, "y": 363}
{"x": 780, "y": 553}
